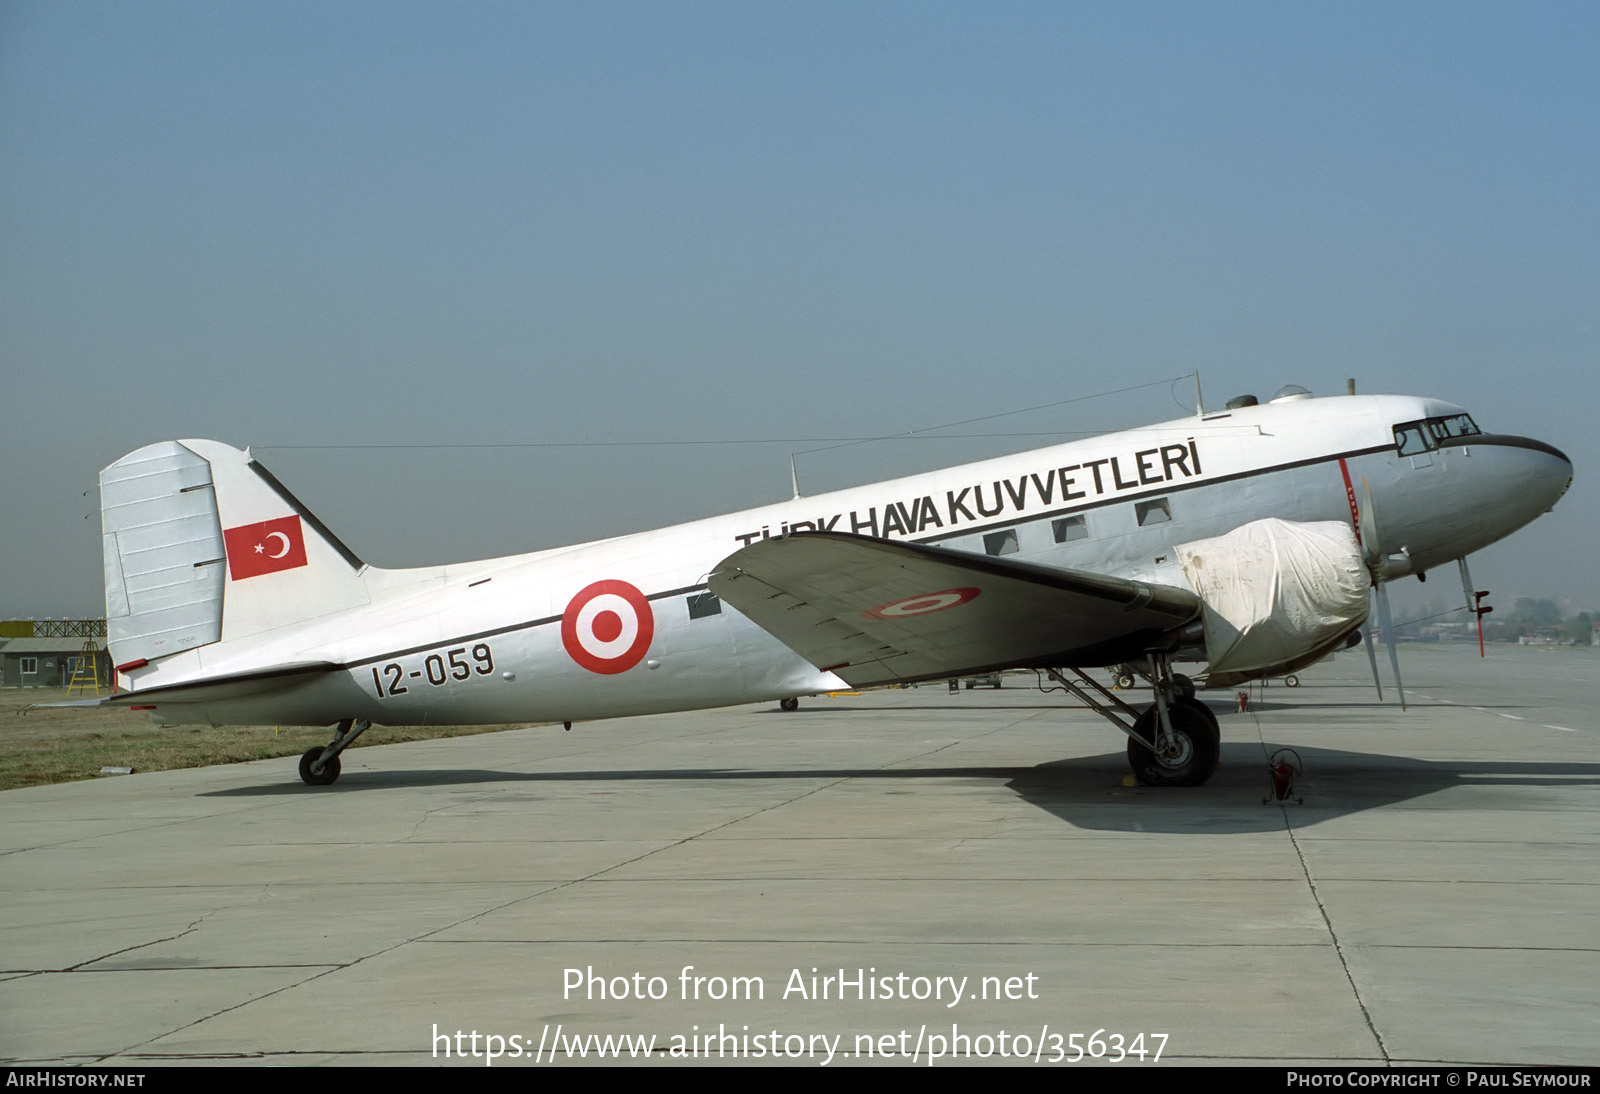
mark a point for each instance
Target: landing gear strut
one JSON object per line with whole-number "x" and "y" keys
{"x": 320, "y": 766}
{"x": 1176, "y": 742}
{"x": 1127, "y": 678}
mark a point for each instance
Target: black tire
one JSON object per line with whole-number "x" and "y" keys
{"x": 1183, "y": 686}
{"x": 788, "y": 706}
{"x": 1291, "y": 680}
{"x": 330, "y": 770}
{"x": 1193, "y": 755}
{"x": 1203, "y": 710}
{"x": 1125, "y": 681}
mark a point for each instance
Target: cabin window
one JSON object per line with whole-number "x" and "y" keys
{"x": 1001, "y": 543}
{"x": 1155, "y": 511}
{"x": 702, "y": 605}
{"x": 1068, "y": 529}
{"x": 30, "y": 666}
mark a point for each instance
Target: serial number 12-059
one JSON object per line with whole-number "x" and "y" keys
{"x": 436, "y": 669}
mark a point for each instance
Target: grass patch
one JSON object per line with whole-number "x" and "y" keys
{"x": 39, "y": 747}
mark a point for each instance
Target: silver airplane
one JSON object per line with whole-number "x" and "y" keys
{"x": 1255, "y": 539}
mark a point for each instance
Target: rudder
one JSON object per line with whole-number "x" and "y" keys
{"x": 202, "y": 544}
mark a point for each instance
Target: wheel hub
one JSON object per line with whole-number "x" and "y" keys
{"x": 1178, "y": 751}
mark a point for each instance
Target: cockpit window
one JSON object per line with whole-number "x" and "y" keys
{"x": 1411, "y": 439}
{"x": 1414, "y": 438}
{"x": 1456, "y": 425}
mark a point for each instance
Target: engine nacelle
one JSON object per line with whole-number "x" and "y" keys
{"x": 1277, "y": 594}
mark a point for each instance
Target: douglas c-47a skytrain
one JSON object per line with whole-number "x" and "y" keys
{"x": 1254, "y": 539}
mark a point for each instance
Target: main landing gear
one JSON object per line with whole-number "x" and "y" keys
{"x": 1185, "y": 756}
{"x": 1176, "y": 742}
{"x": 320, "y": 766}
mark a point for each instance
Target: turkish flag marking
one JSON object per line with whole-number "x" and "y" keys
{"x": 265, "y": 548}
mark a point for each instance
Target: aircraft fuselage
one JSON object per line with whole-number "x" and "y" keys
{"x": 626, "y": 625}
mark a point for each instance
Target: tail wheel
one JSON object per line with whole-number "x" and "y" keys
{"x": 789, "y": 706}
{"x": 325, "y": 777}
{"x": 1188, "y": 759}
{"x": 1183, "y": 686}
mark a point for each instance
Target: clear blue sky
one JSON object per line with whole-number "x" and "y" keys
{"x": 286, "y": 224}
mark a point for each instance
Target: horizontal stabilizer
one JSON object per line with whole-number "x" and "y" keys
{"x": 875, "y": 611}
{"x": 236, "y": 685}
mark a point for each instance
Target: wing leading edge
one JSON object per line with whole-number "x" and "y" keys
{"x": 877, "y": 611}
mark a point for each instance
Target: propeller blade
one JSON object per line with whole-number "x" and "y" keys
{"x": 1372, "y": 658}
{"x": 1374, "y": 560}
{"x": 1369, "y": 530}
{"x": 1388, "y": 640}
{"x": 1375, "y": 563}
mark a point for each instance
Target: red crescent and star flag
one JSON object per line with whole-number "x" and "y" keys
{"x": 265, "y": 548}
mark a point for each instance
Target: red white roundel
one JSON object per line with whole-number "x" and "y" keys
{"x": 607, "y": 627}
{"x": 922, "y": 605}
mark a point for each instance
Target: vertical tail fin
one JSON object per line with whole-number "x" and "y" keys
{"x": 202, "y": 544}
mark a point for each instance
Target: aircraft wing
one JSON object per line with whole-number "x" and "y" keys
{"x": 877, "y": 611}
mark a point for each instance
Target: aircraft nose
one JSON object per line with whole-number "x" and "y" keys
{"x": 1556, "y": 472}
{"x": 1499, "y": 484}
{"x": 1545, "y": 472}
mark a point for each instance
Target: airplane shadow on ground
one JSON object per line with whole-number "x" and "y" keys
{"x": 1332, "y": 783}
{"x": 1085, "y": 792}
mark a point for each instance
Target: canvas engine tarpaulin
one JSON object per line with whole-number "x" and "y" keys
{"x": 1276, "y": 590}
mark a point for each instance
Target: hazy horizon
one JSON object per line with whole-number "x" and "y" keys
{"x": 322, "y": 224}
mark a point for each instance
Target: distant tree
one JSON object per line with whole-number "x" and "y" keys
{"x": 1580, "y": 630}
{"x": 1538, "y": 612}
{"x": 1420, "y": 618}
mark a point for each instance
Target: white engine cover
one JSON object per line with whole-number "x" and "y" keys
{"x": 1276, "y": 591}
